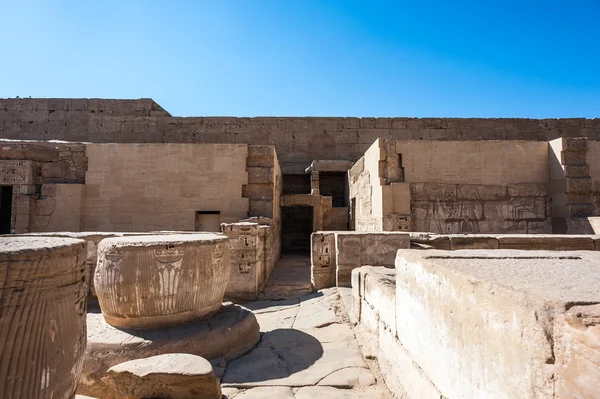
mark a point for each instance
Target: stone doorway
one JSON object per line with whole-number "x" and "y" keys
{"x": 6, "y": 195}
{"x": 296, "y": 228}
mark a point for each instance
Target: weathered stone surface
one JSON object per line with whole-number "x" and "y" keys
{"x": 335, "y": 393}
{"x": 553, "y": 242}
{"x": 577, "y": 359}
{"x": 472, "y": 241}
{"x": 488, "y": 321}
{"x": 157, "y": 281}
{"x": 230, "y": 333}
{"x": 42, "y": 316}
{"x": 259, "y": 393}
{"x": 294, "y": 357}
{"x": 173, "y": 375}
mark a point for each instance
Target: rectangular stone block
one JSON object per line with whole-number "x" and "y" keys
{"x": 472, "y": 241}
{"x": 490, "y": 324}
{"x": 431, "y": 240}
{"x": 480, "y": 192}
{"x": 379, "y": 249}
{"x": 552, "y": 242}
{"x": 575, "y": 144}
{"x": 572, "y": 158}
{"x": 380, "y": 293}
{"x": 260, "y": 175}
{"x": 527, "y": 190}
{"x": 577, "y": 171}
{"x": 579, "y": 185}
{"x": 348, "y": 249}
{"x": 400, "y": 373}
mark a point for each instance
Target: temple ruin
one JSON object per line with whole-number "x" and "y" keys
{"x": 296, "y": 257}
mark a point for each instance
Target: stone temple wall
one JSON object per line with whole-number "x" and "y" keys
{"x": 133, "y": 187}
{"x": 593, "y": 160}
{"x": 65, "y": 186}
{"x": 452, "y": 187}
{"x": 47, "y": 184}
{"x": 298, "y": 141}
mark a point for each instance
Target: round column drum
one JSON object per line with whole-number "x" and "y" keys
{"x": 161, "y": 280}
{"x": 42, "y": 316}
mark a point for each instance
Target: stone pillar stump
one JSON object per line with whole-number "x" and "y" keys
{"x": 157, "y": 281}
{"x": 43, "y": 289}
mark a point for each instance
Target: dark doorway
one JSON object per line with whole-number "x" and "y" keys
{"x": 333, "y": 185}
{"x": 296, "y": 184}
{"x": 296, "y": 228}
{"x": 5, "y": 208}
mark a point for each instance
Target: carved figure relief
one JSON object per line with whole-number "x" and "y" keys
{"x": 168, "y": 261}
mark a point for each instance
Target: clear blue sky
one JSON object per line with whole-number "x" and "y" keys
{"x": 303, "y": 57}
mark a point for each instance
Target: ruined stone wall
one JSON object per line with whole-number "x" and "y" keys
{"x": 473, "y": 208}
{"x": 47, "y": 181}
{"x": 366, "y": 200}
{"x": 264, "y": 191}
{"x": 132, "y": 187}
{"x": 593, "y": 160}
{"x": 298, "y": 141}
{"x": 472, "y": 162}
{"x": 453, "y": 187}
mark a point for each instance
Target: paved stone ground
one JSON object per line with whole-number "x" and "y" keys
{"x": 290, "y": 278}
{"x": 308, "y": 348}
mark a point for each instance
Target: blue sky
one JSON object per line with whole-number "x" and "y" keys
{"x": 320, "y": 58}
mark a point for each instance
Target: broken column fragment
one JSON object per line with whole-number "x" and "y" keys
{"x": 156, "y": 281}
{"x": 42, "y": 316}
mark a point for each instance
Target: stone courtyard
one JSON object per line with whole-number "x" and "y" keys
{"x": 144, "y": 255}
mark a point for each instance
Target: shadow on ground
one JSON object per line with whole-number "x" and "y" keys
{"x": 280, "y": 354}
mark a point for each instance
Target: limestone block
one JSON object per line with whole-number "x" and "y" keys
{"x": 527, "y": 190}
{"x": 577, "y": 144}
{"x": 572, "y": 158}
{"x": 577, "y": 171}
{"x": 379, "y": 291}
{"x": 246, "y": 266}
{"x": 379, "y": 249}
{"x": 488, "y": 321}
{"x": 580, "y": 185}
{"x": 431, "y": 240}
{"x": 472, "y": 241}
{"x": 480, "y": 192}
{"x": 577, "y": 358}
{"x": 322, "y": 268}
{"x": 152, "y": 281}
{"x": 400, "y": 373}
{"x": 174, "y": 375}
{"x": 348, "y": 250}
{"x": 42, "y": 316}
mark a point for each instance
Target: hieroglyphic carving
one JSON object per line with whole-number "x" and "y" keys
{"x": 16, "y": 172}
{"x": 449, "y": 208}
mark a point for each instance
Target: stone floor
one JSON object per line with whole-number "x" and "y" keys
{"x": 308, "y": 348}
{"x": 290, "y": 278}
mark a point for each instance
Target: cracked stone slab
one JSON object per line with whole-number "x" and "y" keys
{"x": 317, "y": 310}
{"x": 269, "y": 321}
{"x": 349, "y": 377}
{"x": 335, "y": 393}
{"x": 266, "y": 306}
{"x": 297, "y": 358}
{"x": 259, "y": 393}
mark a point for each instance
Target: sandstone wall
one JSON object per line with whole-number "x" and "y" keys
{"x": 131, "y": 187}
{"x": 47, "y": 181}
{"x": 452, "y": 187}
{"x": 365, "y": 190}
{"x": 298, "y": 141}
{"x": 463, "y": 162}
{"x": 593, "y": 160}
